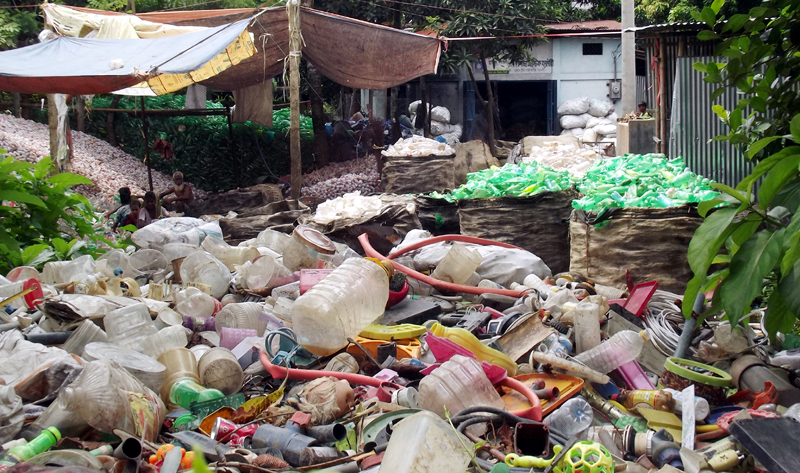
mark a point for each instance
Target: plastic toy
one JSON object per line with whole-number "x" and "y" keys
{"x": 158, "y": 459}
{"x": 587, "y": 457}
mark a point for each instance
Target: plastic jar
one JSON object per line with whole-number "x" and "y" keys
{"x": 132, "y": 327}
{"x": 219, "y": 369}
{"x": 202, "y": 267}
{"x": 242, "y": 315}
{"x": 307, "y": 249}
{"x": 340, "y": 306}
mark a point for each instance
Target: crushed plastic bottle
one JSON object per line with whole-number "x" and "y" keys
{"x": 518, "y": 180}
{"x": 636, "y": 180}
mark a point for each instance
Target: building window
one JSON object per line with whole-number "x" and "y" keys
{"x": 592, "y": 49}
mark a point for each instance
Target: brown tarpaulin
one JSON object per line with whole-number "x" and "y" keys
{"x": 351, "y": 52}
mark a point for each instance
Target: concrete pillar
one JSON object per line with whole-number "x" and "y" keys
{"x": 628, "y": 59}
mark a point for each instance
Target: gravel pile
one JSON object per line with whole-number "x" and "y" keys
{"x": 338, "y": 179}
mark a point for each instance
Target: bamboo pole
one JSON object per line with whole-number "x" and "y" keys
{"x": 295, "y": 40}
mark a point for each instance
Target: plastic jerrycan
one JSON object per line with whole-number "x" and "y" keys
{"x": 481, "y": 351}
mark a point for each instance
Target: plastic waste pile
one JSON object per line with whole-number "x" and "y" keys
{"x": 566, "y": 157}
{"x": 590, "y": 120}
{"x": 649, "y": 180}
{"x": 441, "y": 128}
{"x": 451, "y": 354}
{"x": 348, "y": 206}
{"x": 418, "y": 146}
{"x": 518, "y": 180}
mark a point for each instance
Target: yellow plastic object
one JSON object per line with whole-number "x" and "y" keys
{"x": 707, "y": 428}
{"x": 389, "y": 332}
{"x": 514, "y": 460}
{"x": 409, "y": 348}
{"x": 385, "y": 264}
{"x": 587, "y": 457}
{"x": 471, "y": 343}
{"x": 657, "y": 420}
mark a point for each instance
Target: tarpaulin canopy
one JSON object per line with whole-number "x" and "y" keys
{"x": 93, "y": 66}
{"x": 350, "y": 52}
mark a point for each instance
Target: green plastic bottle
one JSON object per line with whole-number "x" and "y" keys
{"x": 44, "y": 442}
{"x": 185, "y": 391}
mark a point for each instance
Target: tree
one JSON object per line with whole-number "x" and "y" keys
{"x": 760, "y": 232}
{"x": 650, "y": 12}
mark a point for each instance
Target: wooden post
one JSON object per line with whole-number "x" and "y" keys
{"x": 147, "y": 147}
{"x": 662, "y": 107}
{"x": 293, "y": 13}
{"x": 17, "y": 104}
{"x": 489, "y": 107}
{"x": 52, "y": 122}
{"x": 80, "y": 112}
{"x": 232, "y": 148}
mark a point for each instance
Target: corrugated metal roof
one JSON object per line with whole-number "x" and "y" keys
{"x": 598, "y": 25}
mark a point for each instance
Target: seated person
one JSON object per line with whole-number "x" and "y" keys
{"x": 123, "y": 210}
{"x": 183, "y": 197}
{"x": 149, "y": 211}
{"x": 133, "y": 216}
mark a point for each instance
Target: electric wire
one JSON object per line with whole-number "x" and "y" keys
{"x": 662, "y": 319}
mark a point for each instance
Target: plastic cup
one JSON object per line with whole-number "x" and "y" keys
{"x": 86, "y": 333}
{"x": 219, "y": 369}
{"x": 230, "y": 337}
{"x": 179, "y": 363}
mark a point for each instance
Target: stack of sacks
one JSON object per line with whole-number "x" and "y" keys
{"x": 441, "y": 128}
{"x": 590, "y": 120}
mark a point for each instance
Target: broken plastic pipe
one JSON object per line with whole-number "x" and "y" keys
{"x": 278, "y": 372}
{"x": 571, "y": 366}
{"x": 438, "y": 284}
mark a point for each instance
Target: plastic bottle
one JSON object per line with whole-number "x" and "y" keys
{"x": 587, "y": 326}
{"x": 424, "y": 442}
{"x": 340, "y": 306}
{"x": 455, "y": 385}
{"x": 132, "y": 327}
{"x": 185, "y": 391}
{"x": 107, "y": 397}
{"x": 44, "y": 442}
{"x": 701, "y": 407}
{"x": 621, "y": 348}
{"x": 572, "y": 417}
{"x": 229, "y": 255}
{"x": 535, "y": 282}
{"x": 660, "y": 400}
{"x": 470, "y": 342}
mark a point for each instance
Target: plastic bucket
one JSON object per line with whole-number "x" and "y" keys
{"x": 179, "y": 363}
{"x": 219, "y": 369}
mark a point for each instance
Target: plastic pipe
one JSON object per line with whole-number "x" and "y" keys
{"x": 688, "y": 327}
{"x": 438, "y": 284}
{"x": 278, "y": 372}
{"x": 583, "y": 371}
{"x": 51, "y": 338}
{"x": 327, "y": 433}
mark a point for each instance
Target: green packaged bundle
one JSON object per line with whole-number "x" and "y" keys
{"x": 635, "y": 180}
{"x": 517, "y": 180}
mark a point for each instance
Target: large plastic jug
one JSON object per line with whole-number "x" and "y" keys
{"x": 470, "y": 342}
{"x": 424, "y": 442}
{"x": 455, "y": 385}
{"x": 458, "y": 264}
{"x": 107, "y": 397}
{"x": 340, "y": 306}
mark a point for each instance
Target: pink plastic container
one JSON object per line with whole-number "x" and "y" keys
{"x": 230, "y": 337}
{"x": 310, "y": 277}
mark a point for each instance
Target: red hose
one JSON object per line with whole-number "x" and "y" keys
{"x": 438, "y": 284}
{"x": 279, "y": 372}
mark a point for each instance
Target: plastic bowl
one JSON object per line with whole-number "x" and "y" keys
{"x": 396, "y": 297}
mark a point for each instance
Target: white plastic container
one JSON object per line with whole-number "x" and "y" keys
{"x": 587, "y": 326}
{"x": 424, "y": 443}
{"x": 86, "y": 333}
{"x": 144, "y": 368}
{"x": 457, "y": 384}
{"x": 340, "y": 306}
{"x": 229, "y": 255}
{"x": 132, "y": 327}
{"x": 458, "y": 264}
{"x": 192, "y": 302}
{"x": 174, "y": 336}
{"x": 307, "y": 249}
{"x": 202, "y": 267}
{"x": 265, "y": 272}
{"x": 241, "y": 315}
{"x": 78, "y": 269}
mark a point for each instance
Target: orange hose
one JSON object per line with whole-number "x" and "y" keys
{"x": 279, "y": 372}
{"x": 438, "y": 284}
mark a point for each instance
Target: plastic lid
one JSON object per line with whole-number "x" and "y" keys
{"x": 645, "y": 334}
{"x": 55, "y": 432}
{"x": 35, "y": 296}
{"x": 315, "y": 239}
{"x": 692, "y": 371}
{"x": 127, "y": 358}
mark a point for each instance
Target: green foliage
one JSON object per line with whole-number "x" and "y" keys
{"x": 649, "y": 12}
{"x": 760, "y": 233}
{"x": 109, "y": 5}
{"x": 38, "y": 209}
{"x": 17, "y": 26}
{"x": 201, "y": 145}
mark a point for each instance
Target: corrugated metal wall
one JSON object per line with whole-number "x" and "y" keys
{"x": 693, "y": 125}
